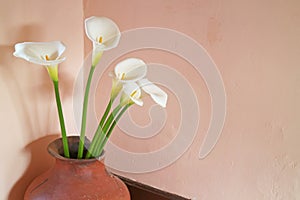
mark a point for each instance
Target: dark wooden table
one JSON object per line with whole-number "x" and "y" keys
{"x": 139, "y": 191}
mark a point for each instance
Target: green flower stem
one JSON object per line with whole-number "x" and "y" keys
{"x": 96, "y": 137}
{"x": 108, "y": 107}
{"x": 84, "y": 113}
{"x": 101, "y": 132}
{"x": 104, "y": 140}
{"x": 61, "y": 120}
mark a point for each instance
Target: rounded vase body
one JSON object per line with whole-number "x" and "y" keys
{"x": 84, "y": 179}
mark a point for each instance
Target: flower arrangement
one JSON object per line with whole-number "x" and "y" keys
{"x": 128, "y": 81}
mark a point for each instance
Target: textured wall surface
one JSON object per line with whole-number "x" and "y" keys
{"x": 28, "y": 110}
{"x": 255, "y": 45}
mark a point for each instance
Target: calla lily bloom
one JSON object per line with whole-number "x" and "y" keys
{"x": 47, "y": 54}
{"x": 43, "y": 53}
{"x": 157, "y": 94}
{"x": 128, "y": 70}
{"x": 104, "y": 34}
{"x": 131, "y": 69}
{"x": 131, "y": 94}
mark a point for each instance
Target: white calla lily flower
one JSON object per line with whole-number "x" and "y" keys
{"x": 43, "y": 53}
{"x": 47, "y": 54}
{"x": 157, "y": 94}
{"x": 131, "y": 94}
{"x": 128, "y": 70}
{"x": 104, "y": 33}
{"x": 131, "y": 69}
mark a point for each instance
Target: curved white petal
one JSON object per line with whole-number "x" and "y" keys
{"x": 104, "y": 28}
{"x": 132, "y": 91}
{"x": 157, "y": 94}
{"x": 36, "y": 52}
{"x": 131, "y": 69}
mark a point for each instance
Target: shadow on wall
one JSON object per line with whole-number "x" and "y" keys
{"x": 40, "y": 162}
{"x": 29, "y": 89}
{"x": 23, "y": 99}
{"x": 18, "y": 74}
{"x": 14, "y": 74}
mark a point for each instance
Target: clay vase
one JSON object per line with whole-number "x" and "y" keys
{"x": 75, "y": 178}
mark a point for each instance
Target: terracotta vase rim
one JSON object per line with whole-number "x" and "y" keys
{"x": 55, "y": 147}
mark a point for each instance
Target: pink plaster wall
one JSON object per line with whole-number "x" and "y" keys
{"x": 28, "y": 112}
{"x": 255, "y": 45}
